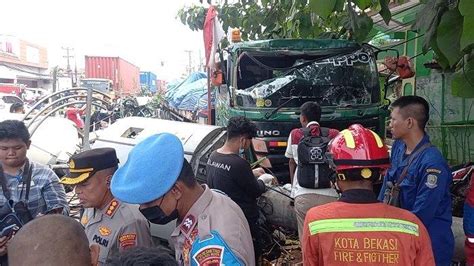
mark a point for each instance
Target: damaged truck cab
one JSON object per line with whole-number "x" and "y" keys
{"x": 267, "y": 81}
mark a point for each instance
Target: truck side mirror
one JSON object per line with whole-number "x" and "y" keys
{"x": 218, "y": 75}
{"x": 217, "y": 78}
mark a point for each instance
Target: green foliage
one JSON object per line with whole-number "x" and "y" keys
{"x": 385, "y": 11}
{"x": 448, "y": 29}
{"x": 270, "y": 19}
{"x": 448, "y": 36}
{"x": 363, "y": 4}
{"x": 466, "y": 8}
{"x": 428, "y": 22}
{"x": 322, "y": 8}
{"x": 463, "y": 80}
{"x": 448, "y": 26}
{"x": 362, "y": 24}
{"x": 157, "y": 99}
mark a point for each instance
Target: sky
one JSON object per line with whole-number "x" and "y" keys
{"x": 144, "y": 32}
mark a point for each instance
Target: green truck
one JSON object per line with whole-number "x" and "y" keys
{"x": 268, "y": 80}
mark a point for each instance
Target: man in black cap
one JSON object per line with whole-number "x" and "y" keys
{"x": 113, "y": 225}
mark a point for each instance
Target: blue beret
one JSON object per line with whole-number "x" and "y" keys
{"x": 152, "y": 168}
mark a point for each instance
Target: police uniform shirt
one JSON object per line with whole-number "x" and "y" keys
{"x": 224, "y": 216}
{"x": 117, "y": 227}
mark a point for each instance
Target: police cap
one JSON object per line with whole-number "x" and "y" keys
{"x": 85, "y": 164}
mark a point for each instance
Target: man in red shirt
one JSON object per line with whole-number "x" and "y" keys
{"x": 358, "y": 229}
{"x": 74, "y": 114}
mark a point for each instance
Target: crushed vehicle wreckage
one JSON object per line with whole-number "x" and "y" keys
{"x": 55, "y": 139}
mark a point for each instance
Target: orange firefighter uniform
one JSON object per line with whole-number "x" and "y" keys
{"x": 358, "y": 229}
{"x": 350, "y": 233}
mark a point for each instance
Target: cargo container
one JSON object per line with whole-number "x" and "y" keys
{"x": 12, "y": 88}
{"x": 124, "y": 75}
{"x": 148, "y": 81}
{"x": 161, "y": 85}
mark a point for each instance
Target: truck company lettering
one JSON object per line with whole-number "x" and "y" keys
{"x": 219, "y": 165}
{"x": 347, "y": 60}
{"x": 366, "y": 250}
{"x": 267, "y": 133}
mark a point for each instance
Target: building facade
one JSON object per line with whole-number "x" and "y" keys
{"x": 23, "y": 62}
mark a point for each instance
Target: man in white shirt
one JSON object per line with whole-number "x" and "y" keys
{"x": 306, "y": 198}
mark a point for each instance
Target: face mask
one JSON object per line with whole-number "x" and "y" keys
{"x": 156, "y": 215}
{"x": 241, "y": 151}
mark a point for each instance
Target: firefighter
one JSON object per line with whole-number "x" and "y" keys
{"x": 358, "y": 229}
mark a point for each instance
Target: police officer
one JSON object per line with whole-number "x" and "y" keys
{"x": 358, "y": 229}
{"x": 112, "y": 224}
{"x": 212, "y": 229}
{"x": 419, "y": 177}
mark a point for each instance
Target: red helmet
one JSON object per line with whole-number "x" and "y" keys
{"x": 358, "y": 147}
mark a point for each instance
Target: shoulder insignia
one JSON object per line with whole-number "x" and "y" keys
{"x": 188, "y": 223}
{"x": 212, "y": 255}
{"x": 128, "y": 240}
{"x": 112, "y": 208}
{"x": 431, "y": 181}
{"x": 84, "y": 219}
{"x": 432, "y": 170}
{"x": 104, "y": 230}
{"x": 188, "y": 244}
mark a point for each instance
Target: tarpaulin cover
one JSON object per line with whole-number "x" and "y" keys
{"x": 191, "y": 94}
{"x": 172, "y": 89}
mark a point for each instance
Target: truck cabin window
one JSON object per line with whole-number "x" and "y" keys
{"x": 342, "y": 80}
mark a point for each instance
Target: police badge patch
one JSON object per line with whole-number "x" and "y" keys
{"x": 431, "y": 181}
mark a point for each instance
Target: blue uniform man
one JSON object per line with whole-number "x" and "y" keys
{"x": 419, "y": 177}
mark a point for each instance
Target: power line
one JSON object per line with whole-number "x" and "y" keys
{"x": 190, "y": 68}
{"x": 67, "y": 56}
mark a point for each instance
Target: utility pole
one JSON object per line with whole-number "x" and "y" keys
{"x": 189, "y": 60}
{"x": 201, "y": 62}
{"x": 68, "y": 56}
{"x": 75, "y": 83}
{"x": 55, "y": 78}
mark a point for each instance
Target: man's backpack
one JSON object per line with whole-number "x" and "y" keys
{"x": 313, "y": 169}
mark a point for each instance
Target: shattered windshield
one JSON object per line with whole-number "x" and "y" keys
{"x": 341, "y": 80}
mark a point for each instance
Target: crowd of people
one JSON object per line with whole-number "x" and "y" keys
{"x": 342, "y": 219}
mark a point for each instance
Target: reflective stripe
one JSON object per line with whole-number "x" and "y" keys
{"x": 377, "y": 139}
{"x": 350, "y": 142}
{"x": 363, "y": 225}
